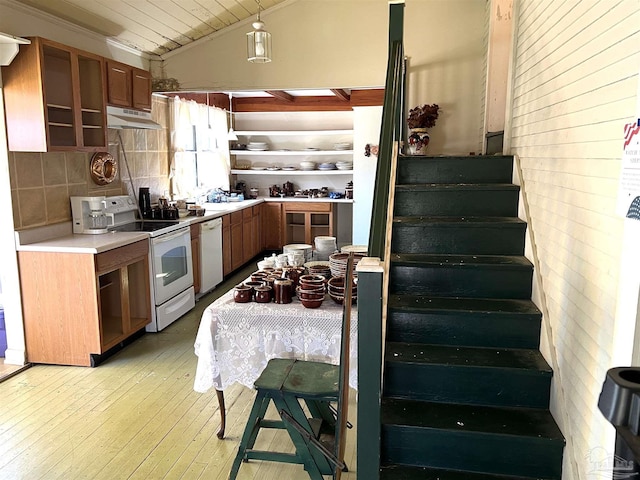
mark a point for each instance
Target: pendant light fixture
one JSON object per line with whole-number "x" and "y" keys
{"x": 231, "y": 135}
{"x": 259, "y": 41}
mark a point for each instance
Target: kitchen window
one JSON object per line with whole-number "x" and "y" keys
{"x": 200, "y": 151}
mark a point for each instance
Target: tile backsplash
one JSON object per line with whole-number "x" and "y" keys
{"x": 41, "y": 183}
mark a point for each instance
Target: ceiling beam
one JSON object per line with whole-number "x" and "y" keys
{"x": 358, "y": 98}
{"x": 281, "y": 95}
{"x": 341, "y": 94}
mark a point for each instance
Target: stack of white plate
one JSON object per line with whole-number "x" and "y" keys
{"x": 297, "y": 247}
{"x": 342, "y": 146}
{"x": 325, "y": 246}
{"x": 307, "y": 165}
{"x": 354, "y": 249}
{"x": 257, "y": 146}
{"x": 344, "y": 165}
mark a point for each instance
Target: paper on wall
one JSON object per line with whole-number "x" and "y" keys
{"x": 628, "y": 204}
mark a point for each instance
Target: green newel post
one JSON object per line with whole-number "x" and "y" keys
{"x": 370, "y": 280}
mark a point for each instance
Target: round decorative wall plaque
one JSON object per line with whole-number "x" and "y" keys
{"x": 104, "y": 168}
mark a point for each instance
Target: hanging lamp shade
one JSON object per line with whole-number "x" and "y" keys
{"x": 259, "y": 43}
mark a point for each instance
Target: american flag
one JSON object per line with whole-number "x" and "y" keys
{"x": 630, "y": 129}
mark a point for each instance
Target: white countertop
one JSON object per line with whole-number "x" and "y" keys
{"x": 58, "y": 237}
{"x": 84, "y": 243}
{"x": 305, "y": 199}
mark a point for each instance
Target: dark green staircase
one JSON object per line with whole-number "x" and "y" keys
{"x": 466, "y": 390}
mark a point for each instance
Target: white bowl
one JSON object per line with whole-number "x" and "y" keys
{"x": 299, "y": 247}
{"x": 354, "y": 249}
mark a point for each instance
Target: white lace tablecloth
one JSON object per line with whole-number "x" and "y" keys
{"x": 236, "y": 340}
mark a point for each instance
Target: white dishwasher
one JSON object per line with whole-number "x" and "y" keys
{"x": 210, "y": 254}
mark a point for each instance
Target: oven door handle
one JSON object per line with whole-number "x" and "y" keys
{"x": 169, "y": 236}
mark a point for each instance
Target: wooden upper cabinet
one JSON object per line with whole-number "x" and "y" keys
{"x": 128, "y": 86}
{"x": 118, "y": 84}
{"x": 55, "y": 99}
{"x": 141, "y": 95}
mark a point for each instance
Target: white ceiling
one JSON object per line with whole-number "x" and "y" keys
{"x": 154, "y": 27}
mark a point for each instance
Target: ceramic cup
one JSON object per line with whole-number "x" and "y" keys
{"x": 263, "y": 294}
{"x": 282, "y": 260}
{"x": 282, "y": 290}
{"x": 253, "y": 285}
{"x": 242, "y": 294}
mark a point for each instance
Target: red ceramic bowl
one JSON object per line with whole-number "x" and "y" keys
{"x": 308, "y": 289}
{"x": 309, "y": 296}
{"x": 339, "y": 299}
{"x": 311, "y": 303}
{"x": 312, "y": 279}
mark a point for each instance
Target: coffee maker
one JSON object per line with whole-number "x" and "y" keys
{"x": 89, "y": 215}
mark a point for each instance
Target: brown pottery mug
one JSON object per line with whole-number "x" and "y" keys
{"x": 242, "y": 294}
{"x": 263, "y": 294}
{"x": 282, "y": 290}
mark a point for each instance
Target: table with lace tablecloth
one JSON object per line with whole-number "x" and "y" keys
{"x": 236, "y": 340}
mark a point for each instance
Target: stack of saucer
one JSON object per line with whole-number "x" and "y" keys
{"x": 344, "y": 165}
{"x": 327, "y": 166}
{"x": 354, "y": 249}
{"x": 325, "y": 246}
{"x": 342, "y": 146}
{"x": 307, "y": 165}
{"x": 257, "y": 146}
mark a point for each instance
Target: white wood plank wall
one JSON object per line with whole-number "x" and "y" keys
{"x": 485, "y": 72}
{"x": 575, "y": 80}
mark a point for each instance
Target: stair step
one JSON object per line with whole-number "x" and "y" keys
{"x": 469, "y": 375}
{"x": 407, "y": 472}
{"x": 471, "y": 169}
{"x": 482, "y": 276}
{"x": 463, "y": 235}
{"x": 522, "y": 442}
{"x": 494, "y": 200}
{"x": 505, "y": 323}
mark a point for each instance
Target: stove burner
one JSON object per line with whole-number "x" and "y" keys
{"x": 145, "y": 226}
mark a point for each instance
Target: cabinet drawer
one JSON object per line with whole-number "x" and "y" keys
{"x": 246, "y": 214}
{"x": 226, "y": 221}
{"x": 236, "y": 217}
{"x": 307, "y": 207}
{"x": 118, "y": 257}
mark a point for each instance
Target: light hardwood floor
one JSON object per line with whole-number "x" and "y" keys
{"x": 136, "y": 416}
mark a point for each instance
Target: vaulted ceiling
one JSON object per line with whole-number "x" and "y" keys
{"x": 154, "y": 27}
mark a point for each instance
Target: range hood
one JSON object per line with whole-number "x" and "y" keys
{"x": 126, "y": 118}
{"x": 9, "y": 47}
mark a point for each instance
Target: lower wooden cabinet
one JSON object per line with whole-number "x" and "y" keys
{"x": 303, "y": 221}
{"x": 237, "y": 246}
{"x": 256, "y": 224}
{"x": 195, "y": 256}
{"x": 76, "y": 306}
{"x": 247, "y": 235}
{"x": 271, "y": 234}
{"x": 227, "y": 267}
